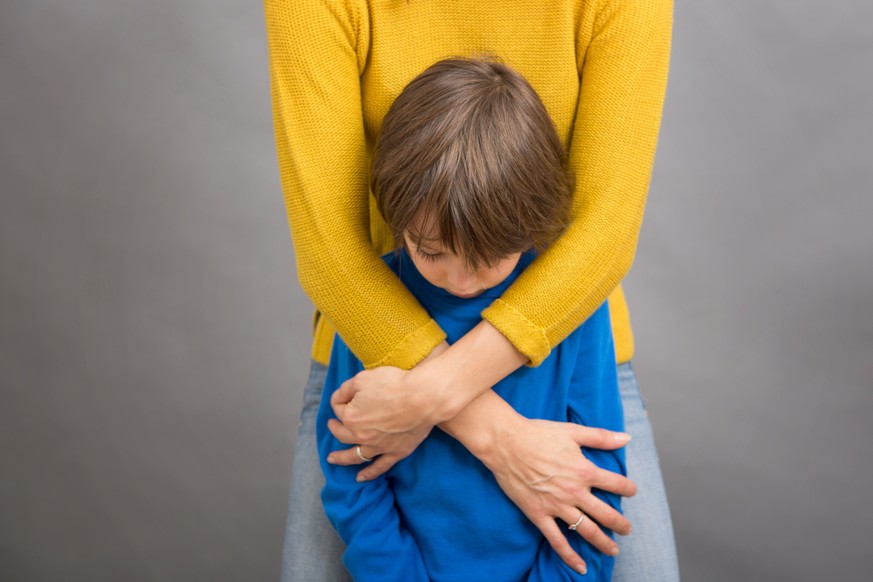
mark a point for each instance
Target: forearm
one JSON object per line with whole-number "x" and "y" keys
{"x": 481, "y": 424}
{"x": 458, "y": 375}
{"x": 623, "y": 66}
{"x": 322, "y": 155}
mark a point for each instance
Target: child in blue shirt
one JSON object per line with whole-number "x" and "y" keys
{"x": 469, "y": 174}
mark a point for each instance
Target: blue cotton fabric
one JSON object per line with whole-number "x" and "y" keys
{"x": 439, "y": 515}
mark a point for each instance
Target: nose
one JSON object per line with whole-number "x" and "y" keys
{"x": 461, "y": 278}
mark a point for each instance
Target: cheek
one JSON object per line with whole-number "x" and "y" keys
{"x": 430, "y": 271}
{"x": 494, "y": 275}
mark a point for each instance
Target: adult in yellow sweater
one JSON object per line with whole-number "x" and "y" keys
{"x": 600, "y": 66}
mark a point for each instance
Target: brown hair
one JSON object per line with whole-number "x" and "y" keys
{"x": 469, "y": 147}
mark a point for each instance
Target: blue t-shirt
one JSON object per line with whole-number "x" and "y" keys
{"x": 439, "y": 514}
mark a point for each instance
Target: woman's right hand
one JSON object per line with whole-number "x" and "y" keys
{"x": 539, "y": 465}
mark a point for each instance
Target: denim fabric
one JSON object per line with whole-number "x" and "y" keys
{"x": 649, "y": 552}
{"x": 313, "y": 550}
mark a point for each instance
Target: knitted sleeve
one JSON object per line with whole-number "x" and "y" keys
{"x": 317, "y": 50}
{"x": 623, "y": 73}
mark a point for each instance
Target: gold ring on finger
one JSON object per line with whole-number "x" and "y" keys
{"x": 361, "y": 455}
{"x": 573, "y": 526}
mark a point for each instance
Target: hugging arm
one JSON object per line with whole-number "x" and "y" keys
{"x": 317, "y": 50}
{"x": 623, "y": 72}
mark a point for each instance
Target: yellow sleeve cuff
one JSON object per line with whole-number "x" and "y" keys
{"x": 413, "y": 348}
{"x": 527, "y": 337}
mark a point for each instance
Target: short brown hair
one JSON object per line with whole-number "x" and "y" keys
{"x": 469, "y": 147}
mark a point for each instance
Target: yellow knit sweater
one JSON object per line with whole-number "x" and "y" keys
{"x": 600, "y": 67}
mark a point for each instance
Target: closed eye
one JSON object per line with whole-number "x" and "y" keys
{"x": 428, "y": 256}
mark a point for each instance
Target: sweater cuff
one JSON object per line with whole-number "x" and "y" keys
{"x": 527, "y": 337}
{"x": 413, "y": 348}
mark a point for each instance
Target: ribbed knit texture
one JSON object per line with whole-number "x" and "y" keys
{"x": 600, "y": 67}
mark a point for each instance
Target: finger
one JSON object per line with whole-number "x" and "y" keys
{"x": 613, "y": 482}
{"x": 599, "y": 438}
{"x": 592, "y": 533}
{"x": 605, "y": 515}
{"x": 344, "y": 458}
{"x": 339, "y": 409}
{"x": 381, "y": 465}
{"x": 559, "y": 543}
{"x": 345, "y": 393}
{"x": 342, "y": 434}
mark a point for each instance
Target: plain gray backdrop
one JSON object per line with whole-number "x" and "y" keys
{"x": 154, "y": 340}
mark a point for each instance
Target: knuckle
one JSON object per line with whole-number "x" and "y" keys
{"x": 573, "y": 491}
{"x": 586, "y": 473}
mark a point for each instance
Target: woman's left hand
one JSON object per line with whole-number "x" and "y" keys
{"x": 379, "y": 410}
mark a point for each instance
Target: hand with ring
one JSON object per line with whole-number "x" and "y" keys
{"x": 361, "y": 456}
{"x": 572, "y": 526}
{"x": 539, "y": 465}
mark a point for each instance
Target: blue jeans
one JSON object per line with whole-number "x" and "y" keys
{"x": 313, "y": 550}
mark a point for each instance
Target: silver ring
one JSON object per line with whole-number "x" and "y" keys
{"x": 573, "y": 527}
{"x": 361, "y": 455}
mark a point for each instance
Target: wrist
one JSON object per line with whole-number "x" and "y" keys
{"x": 483, "y": 426}
{"x": 435, "y": 389}
{"x": 453, "y": 376}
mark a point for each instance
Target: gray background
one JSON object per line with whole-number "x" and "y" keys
{"x": 154, "y": 340}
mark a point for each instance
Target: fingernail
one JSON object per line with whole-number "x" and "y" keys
{"x": 622, "y": 437}
{"x": 331, "y": 460}
{"x": 582, "y": 569}
{"x": 360, "y": 478}
{"x": 613, "y": 551}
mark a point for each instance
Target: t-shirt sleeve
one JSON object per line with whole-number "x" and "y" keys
{"x": 623, "y": 75}
{"x": 317, "y": 50}
{"x": 378, "y": 546}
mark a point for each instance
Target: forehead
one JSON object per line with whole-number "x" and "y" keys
{"x": 433, "y": 243}
{"x": 424, "y": 231}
